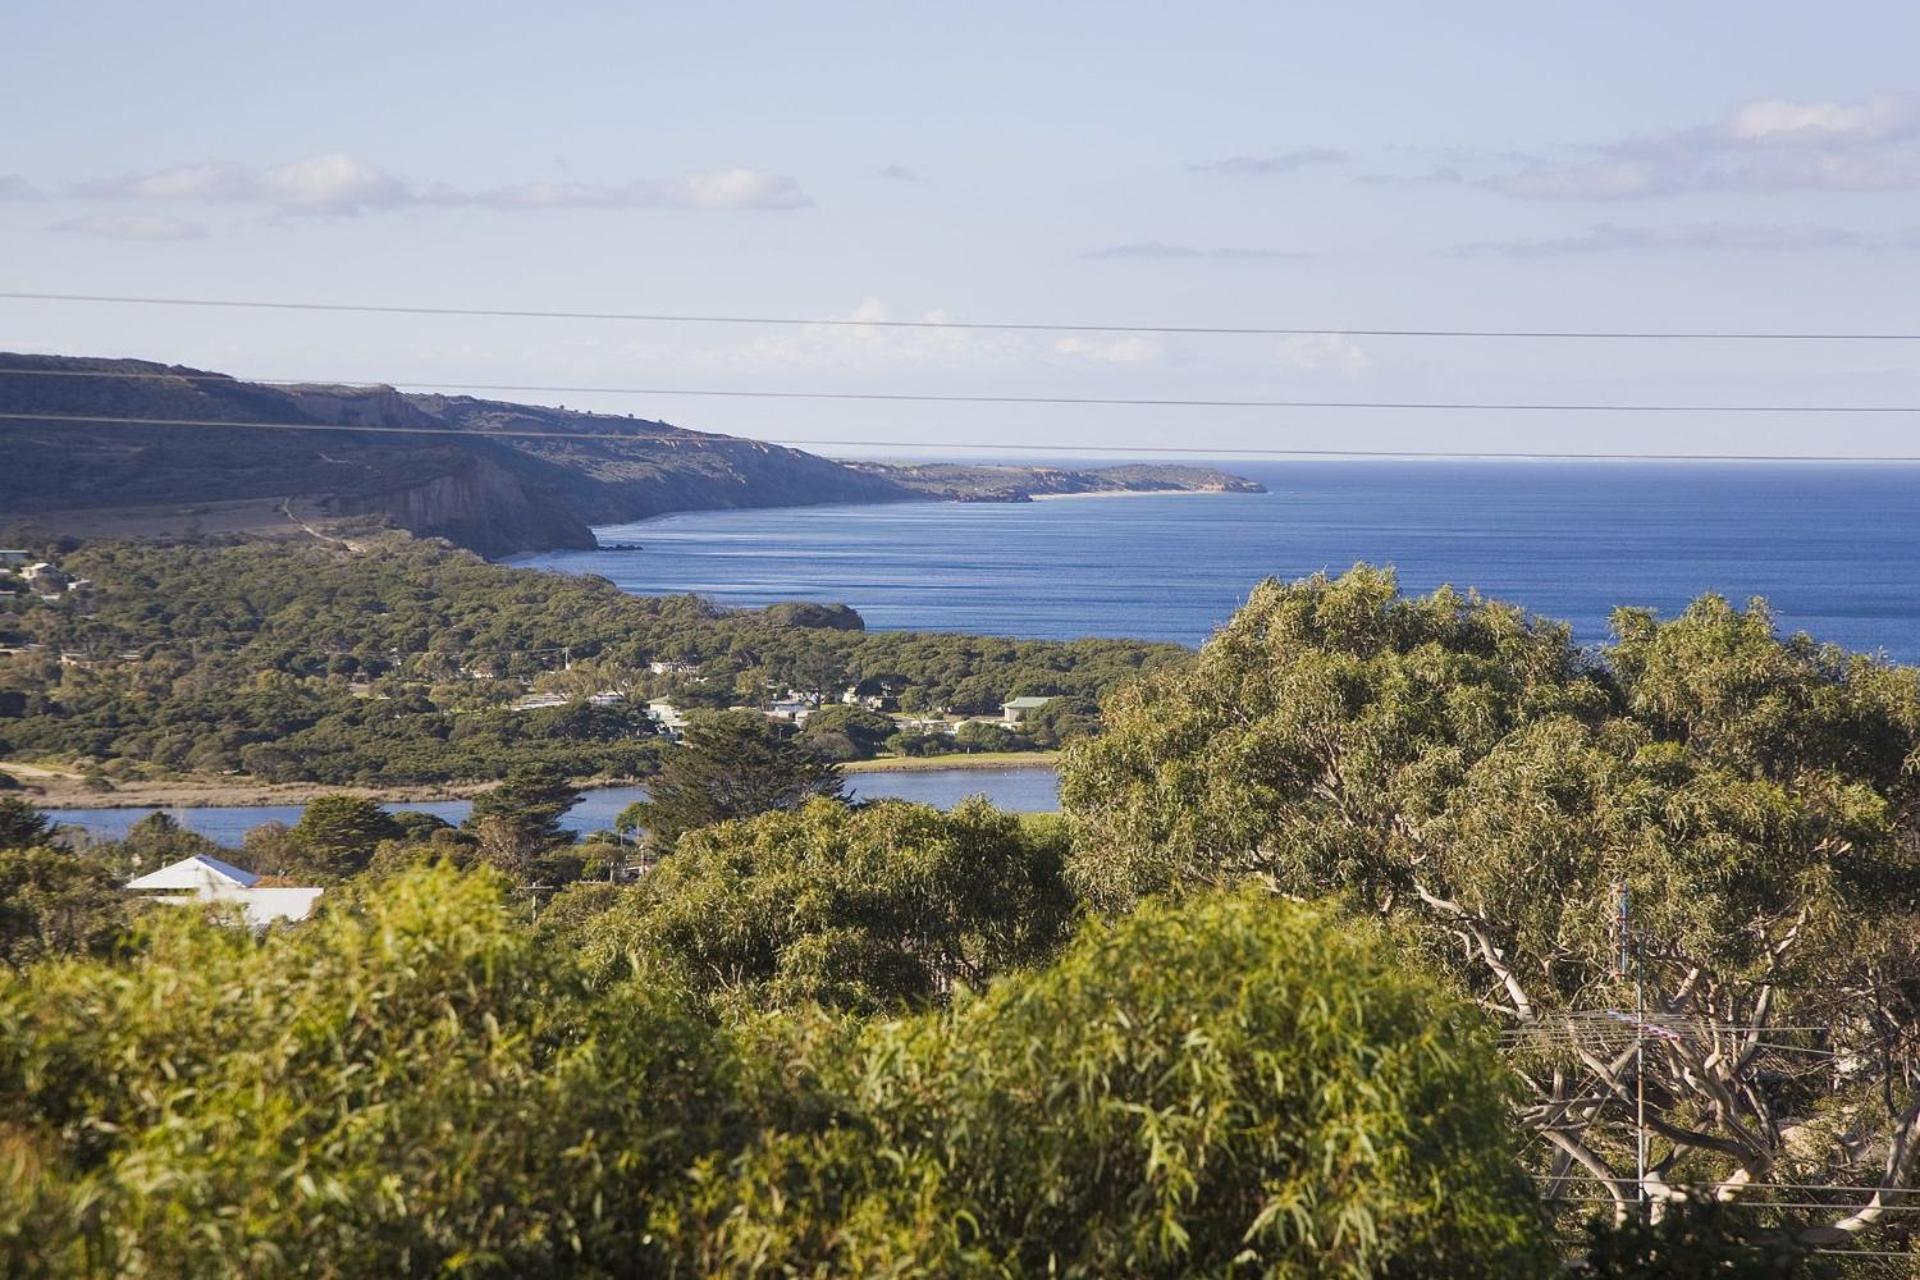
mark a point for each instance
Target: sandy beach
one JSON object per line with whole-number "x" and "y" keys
{"x": 1134, "y": 493}
{"x": 51, "y": 789}
{"x": 978, "y": 760}
{"x": 192, "y": 794}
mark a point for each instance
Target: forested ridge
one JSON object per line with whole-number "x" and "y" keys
{"x": 399, "y": 663}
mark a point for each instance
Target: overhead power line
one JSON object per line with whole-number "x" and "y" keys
{"x": 933, "y": 397}
{"x": 1004, "y": 326}
{"x": 1057, "y": 448}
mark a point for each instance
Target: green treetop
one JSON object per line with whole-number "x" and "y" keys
{"x": 734, "y": 764}
{"x": 1466, "y": 771}
{"x": 337, "y": 834}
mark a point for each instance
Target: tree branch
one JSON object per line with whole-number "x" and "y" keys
{"x": 1496, "y": 958}
{"x": 1899, "y": 1151}
{"x": 1621, "y": 1189}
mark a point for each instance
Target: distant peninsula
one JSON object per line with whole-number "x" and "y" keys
{"x": 966, "y": 482}
{"x": 121, "y": 448}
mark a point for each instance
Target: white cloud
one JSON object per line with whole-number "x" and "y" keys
{"x": 1606, "y": 237}
{"x": 1769, "y": 144}
{"x": 1322, "y": 353}
{"x": 1781, "y": 122}
{"x": 1872, "y": 169}
{"x": 1281, "y": 162}
{"x": 136, "y": 226}
{"x": 339, "y": 184}
{"x": 727, "y": 189}
{"x": 741, "y": 189}
{"x": 865, "y": 346}
{"x": 1130, "y": 349}
{"x": 187, "y": 182}
{"x": 901, "y": 173}
{"x": 333, "y": 183}
{"x": 860, "y": 343}
{"x": 15, "y": 187}
{"x": 1160, "y": 251}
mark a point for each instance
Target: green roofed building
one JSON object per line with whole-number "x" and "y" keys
{"x": 1020, "y": 708}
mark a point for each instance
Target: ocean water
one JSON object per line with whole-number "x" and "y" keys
{"x": 1022, "y": 790}
{"x": 1834, "y": 547}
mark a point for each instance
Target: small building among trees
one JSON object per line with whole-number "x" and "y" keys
{"x": 1020, "y": 708}
{"x": 201, "y": 878}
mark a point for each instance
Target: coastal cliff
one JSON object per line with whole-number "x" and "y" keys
{"x": 438, "y": 466}
{"x": 478, "y": 504}
{"x": 131, "y": 448}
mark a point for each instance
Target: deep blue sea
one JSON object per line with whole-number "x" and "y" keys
{"x": 1834, "y": 547}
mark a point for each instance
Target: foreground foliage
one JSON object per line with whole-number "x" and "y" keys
{"x": 888, "y": 906}
{"x": 405, "y": 1085}
{"x": 416, "y": 1083}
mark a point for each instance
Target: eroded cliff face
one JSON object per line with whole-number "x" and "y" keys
{"x": 492, "y": 476}
{"x": 478, "y": 504}
{"x": 442, "y": 466}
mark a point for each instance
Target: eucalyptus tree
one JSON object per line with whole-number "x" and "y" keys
{"x": 1472, "y": 774}
{"x": 409, "y": 1084}
{"x": 1222, "y": 1087}
{"x": 885, "y": 906}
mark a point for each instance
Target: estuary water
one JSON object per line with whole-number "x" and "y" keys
{"x": 1021, "y": 790}
{"x": 1834, "y": 547}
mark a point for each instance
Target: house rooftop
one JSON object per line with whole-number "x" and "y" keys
{"x": 199, "y": 871}
{"x": 1028, "y": 703}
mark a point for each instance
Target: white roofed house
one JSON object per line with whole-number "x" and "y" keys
{"x": 667, "y": 717}
{"x": 45, "y": 578}
{"x": 795, "y": 709}
{"x": 871, "y": 701}
{"x": 202, "y": 878}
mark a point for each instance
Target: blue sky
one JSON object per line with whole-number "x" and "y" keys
{"x": 1356, "y": 166}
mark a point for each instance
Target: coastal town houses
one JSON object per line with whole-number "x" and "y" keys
{"x": 793, "y": 708}
{"x": 871, "y": 701}
{"x": 948, "y": 725}
{"x": 1019, "y": 709}
{"x": 667, "y": 718}
{"x": 201, "y": 878}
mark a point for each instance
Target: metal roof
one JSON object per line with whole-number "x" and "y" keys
{"x": 196, "y": 872}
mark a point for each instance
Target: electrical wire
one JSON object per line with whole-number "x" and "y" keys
{"x": 1210, "y": 330}
{"x": 911, "y": 397}
{"x": 1082, "y": 448}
